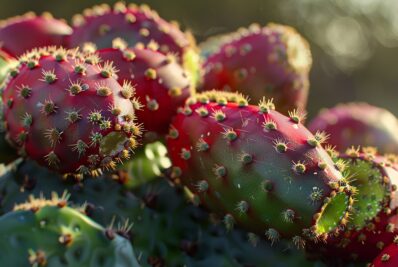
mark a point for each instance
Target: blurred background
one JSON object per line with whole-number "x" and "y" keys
{"x": 354, "y": 42}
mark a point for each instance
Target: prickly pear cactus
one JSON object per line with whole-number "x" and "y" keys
{"x": 68, "y": 113}
{"x": 358, "y": 124}
{"x": 373, "y": 221}
{"x": 48, "y": 233}
{"x": 261, "y": 169}
{"x": 164, "y": 228}
{"x": 43, "y": 31}
{"x": 160, "y": 84}
{"x": 272, "y": 62}
{"x": 140, "y": 25}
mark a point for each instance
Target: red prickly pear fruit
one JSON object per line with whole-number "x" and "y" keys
{"x": 273, "y": 61}
{"x": 388, "y": 257}
{"x": 42, "y": 31}
{"x": 264, "y": 170}
{"x": 160, "y": 84}
{"x": 373, "y": 220}
{"x": 138, "y": 25}
{"x": 68, "y": 113}
{"x": 355, "y": 124}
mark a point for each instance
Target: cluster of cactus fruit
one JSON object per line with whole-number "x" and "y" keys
{"x": 123, "y": 144}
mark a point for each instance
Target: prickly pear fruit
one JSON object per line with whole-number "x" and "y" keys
{"x": 137, "y": 25}
{"x": 160, "y": 84}
{"x": 165, "y": 228}
{"x": 263, "y": 170}
{"x": 70, "y": 114}
{"x": 43, "y": 31}
{"x": 388, "y": 257}
{"x": 48, "y": 233}
{"x": 273, "y": 61}
{"x": 358, "y": 124}
{"x": 373, "y": 220}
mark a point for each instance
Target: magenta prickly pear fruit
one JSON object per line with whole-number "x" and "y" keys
{"x": 100, "y": 25}
{"x": 273, "y": 61}
{"x": 388, "y": 257}
{"x": 68, "y": 113}
{"x": 358, "y": 124}
{"x": 259, "y": 168}
{"x": 23, "y": 33}
{"x": 160, "y": 84}
{"x": 373, "y": 220}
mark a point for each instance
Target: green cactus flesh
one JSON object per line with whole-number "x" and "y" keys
{"x": 332, "y": 214}
{"x": 371, "y": 191}
{"x": 56, "y": 236}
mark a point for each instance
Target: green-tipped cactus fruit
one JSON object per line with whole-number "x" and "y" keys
{"x": 373, "y": 222}
{"x": 261, "y": 169}
{"x": 48, "y": 233}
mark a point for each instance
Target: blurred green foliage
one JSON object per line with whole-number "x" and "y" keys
{"x": 354, "y": 42}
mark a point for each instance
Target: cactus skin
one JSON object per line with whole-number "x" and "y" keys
{"x": 374, "y": 221}
{"x": 43, "y": 31}
{"x": 355, "y": 124}
{"x": 100, "y": 25}
{"x": 68, "y": 113}
{"x": 48, "y": 233}
{"x": 388, "y": 257}
{"x": 166, "y": 230}
{"x": 160, "y": 84}
{"x": 251, "y": 163}
{"x": 273, "y": 61}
